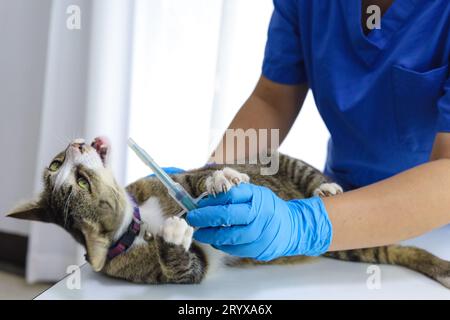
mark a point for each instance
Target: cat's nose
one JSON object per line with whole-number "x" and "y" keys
{"x": 79, "y": 144}
{"x": 78, "y": 141}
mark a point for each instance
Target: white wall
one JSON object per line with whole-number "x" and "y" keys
{"x": 23, "y": 42}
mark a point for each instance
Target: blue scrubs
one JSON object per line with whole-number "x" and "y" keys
{"x": 383, "y": 96}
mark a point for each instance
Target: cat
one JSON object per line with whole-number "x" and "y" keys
{"x": 81, "y": 195}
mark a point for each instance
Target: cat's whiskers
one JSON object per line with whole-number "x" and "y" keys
{"x": 115, "y": 194}
{"x": 66, "y": 207}
{"x": 64, "y": 140}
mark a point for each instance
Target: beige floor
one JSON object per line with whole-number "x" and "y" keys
{"x": 13, "y": 286}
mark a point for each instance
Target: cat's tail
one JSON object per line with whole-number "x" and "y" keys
{"x": 410, "y": 257}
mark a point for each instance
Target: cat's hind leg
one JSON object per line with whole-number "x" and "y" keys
{"x": 327, "y": 190}
{"x": 310, "y": 181}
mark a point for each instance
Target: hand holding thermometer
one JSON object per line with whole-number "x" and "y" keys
{"x": 176, "y": 191}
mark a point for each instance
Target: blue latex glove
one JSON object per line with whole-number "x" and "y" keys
{"x": 251, "y": 221}
{"x": 169, "y": 170}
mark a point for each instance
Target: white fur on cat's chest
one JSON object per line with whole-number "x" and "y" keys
{"x": 152, "y": 214}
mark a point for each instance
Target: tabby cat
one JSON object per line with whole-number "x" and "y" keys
{"x": 81, "y": 195}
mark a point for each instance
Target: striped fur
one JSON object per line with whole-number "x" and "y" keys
{"x": 294, "y": 180}
{"x": 95, "y": 218}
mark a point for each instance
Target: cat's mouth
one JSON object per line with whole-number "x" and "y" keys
{"x": 101, "y": 146}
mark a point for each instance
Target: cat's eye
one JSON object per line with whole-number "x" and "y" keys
{"x": 55, "y": 165}
{"x": 83, "y": 183}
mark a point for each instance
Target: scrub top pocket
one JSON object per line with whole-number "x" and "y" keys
{"x": 415, "y": 100}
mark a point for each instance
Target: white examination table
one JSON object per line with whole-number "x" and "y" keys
{"x": 320, "y": 279}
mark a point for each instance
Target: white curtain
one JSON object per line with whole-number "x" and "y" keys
{"x": 86, "y": 94}
{"x": 194, "y": 65}
{"x": 173, "y": 84}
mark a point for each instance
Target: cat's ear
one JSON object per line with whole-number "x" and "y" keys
{"x": 97, "y": 248}
{"x": 32, "y": 210}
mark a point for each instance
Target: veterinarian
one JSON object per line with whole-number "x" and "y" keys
{"x": 384, "y": 95}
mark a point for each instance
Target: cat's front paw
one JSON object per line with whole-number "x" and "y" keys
{"x": 177, "y": 231}
{"x": 327, "y": 190}
{"x": 223, "y": 180}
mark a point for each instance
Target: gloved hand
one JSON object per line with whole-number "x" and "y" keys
{"x": 251, "y": 221}
{"x": 169, "y": 170}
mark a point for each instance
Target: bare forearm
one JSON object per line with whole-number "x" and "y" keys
{"x": 257, "y": 113}
{"x": 271, "y": 106}
{"x": 398, "y": 208}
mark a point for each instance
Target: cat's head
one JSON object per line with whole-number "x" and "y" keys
{"x": 81, "y": 195}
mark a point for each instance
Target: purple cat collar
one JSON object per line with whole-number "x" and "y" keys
{"x": 127, "y": 239}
